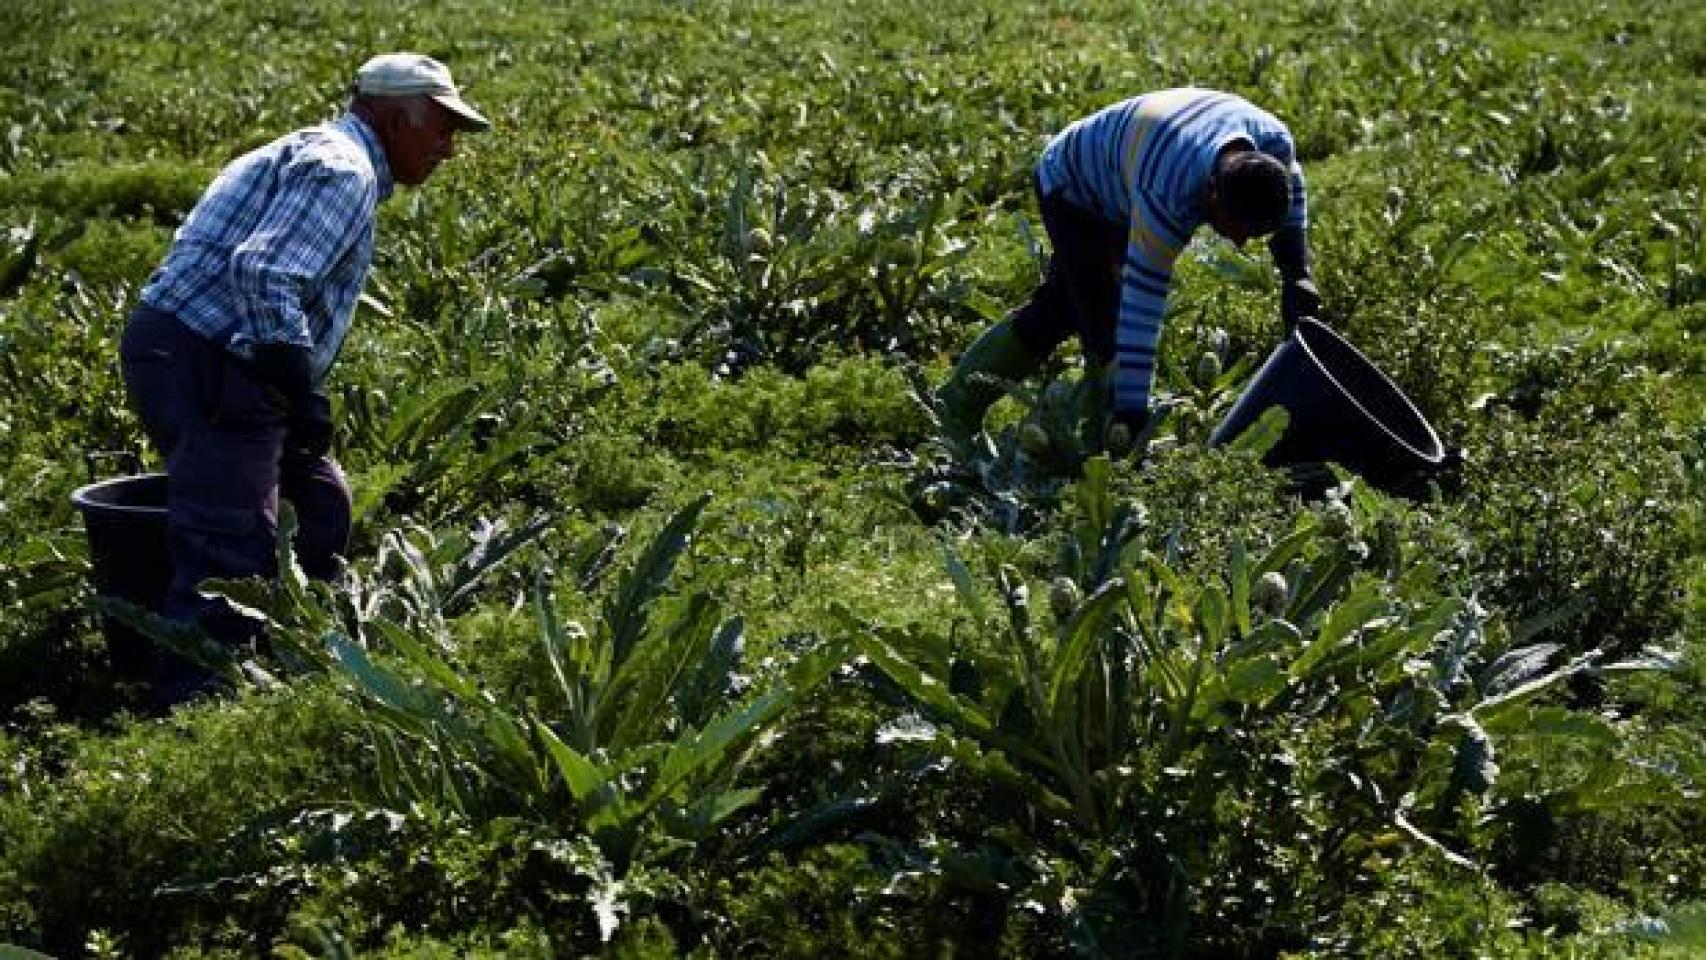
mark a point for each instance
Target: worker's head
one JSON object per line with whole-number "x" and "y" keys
{"x": 416, "y": 110}
{"x": 1248, "y": 195}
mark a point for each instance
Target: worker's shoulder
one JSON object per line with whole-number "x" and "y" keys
{"x": 336, "y": 148}
{"x": 335, "y": 151}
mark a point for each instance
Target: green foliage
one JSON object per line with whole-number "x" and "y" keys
{"x": 723, "y": 247}
{"x": 148, "y": 806}
{"x": 1360, "y": 686}
{"x": 163, "y": 191}
{"x": 634, "y": 740}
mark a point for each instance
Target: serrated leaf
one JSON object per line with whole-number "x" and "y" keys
{"x": 1473, "y": 765}
{"x": 1550, "y": 721}
{"x": 1516, "y": 667}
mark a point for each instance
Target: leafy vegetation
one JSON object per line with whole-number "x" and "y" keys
{"x": 672, "y": 627}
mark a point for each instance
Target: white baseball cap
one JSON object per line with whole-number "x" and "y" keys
{"x": 416, "y": 75}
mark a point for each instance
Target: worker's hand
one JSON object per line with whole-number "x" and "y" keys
{"x": 287, "y": 371}
{"x": 1299, "y": 299}
{"x": 310, "y": 426}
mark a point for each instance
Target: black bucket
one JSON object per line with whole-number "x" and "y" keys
{"x": 1343, "y": 409}
{"x": 126, "y": 521}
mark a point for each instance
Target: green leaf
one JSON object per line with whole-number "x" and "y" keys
{"x": 1516, "y": 667}
{"x": 1473, "y": 767}
{"x": 1540, "y": 623}
{"x": 1254, "y": 681}
{"x": 964, "y": 584}
{"x": 451, "y": 786}
{"x": 814, "y": 823}
{"x": 918, "y": 685}
{"x": 1286, "y": 550}
{"x": 254, "y": 598}
{"x": 1263, "y": 434}
{"x": 699, "y": 751}
{"x": 579, "y": 774}
{"x": 1364, "y": 605}
{"x": 709, "y": 811}
{"x": 1212, "y": 616}
{"x": 710, "y": 681}
{"x": 512, "y": 753}
{"x": 1489, "y": 708}
{"x": 1450, "y": 856}
{"x": 1080, "y": 637}
{"x": 425, "y": 660}
{"x": 1556, "y": 722}
{"x": 1240, "y": 586}
{"x": 995, "y": 765}
{"x": 637, "y": 698}
{"x": 492, "y": 545}
{"x": 626, "y": 612}
{"x": 1321, "y": 586}
{"x": 408, "y": 707}
{"x": 290, "y": 575}
{"x": 1651, "y": 659}
{"x": 187, "y": 640}
{"x": 550, "y": 629}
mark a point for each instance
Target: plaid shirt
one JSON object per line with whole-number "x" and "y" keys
{"x": 277, "y": 248}
{"x": 1144, "y": 163}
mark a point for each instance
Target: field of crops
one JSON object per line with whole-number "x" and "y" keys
{"x": 663, "y": 633}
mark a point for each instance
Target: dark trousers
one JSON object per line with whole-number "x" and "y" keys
{"x": 229, "y": 459}
{"x": 1080, "y": 292}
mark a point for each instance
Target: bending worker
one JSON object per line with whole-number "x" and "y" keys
{"x": 1121, "y": 192}
{"x": 225, "y": 355}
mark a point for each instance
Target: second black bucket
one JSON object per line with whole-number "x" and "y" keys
{"x": 1343, "y": 409}
{"x": 126, "y": 522}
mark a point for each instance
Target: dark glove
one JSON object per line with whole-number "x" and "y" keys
{"x": 310, "y": 428}
{"x": 1298, "y": 296}
{"x": 1299, "y": 299}
{"x": 1123, "y": 432}
{"x": 289, "y": 371}
{"x": 1290, "y": 249}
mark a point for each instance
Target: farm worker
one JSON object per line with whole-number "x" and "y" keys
{"x": 226, "y": 354}
{"x": 1121, "y": 191}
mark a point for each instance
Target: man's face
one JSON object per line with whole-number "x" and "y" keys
{"x": 1232, "y": 230}
{"x": 1223, "y": 223}
{"x": 416, "y": 151}
{"x": 1221, "y": 220}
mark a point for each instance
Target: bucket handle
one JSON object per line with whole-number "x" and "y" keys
{"x": 126, "y": 459}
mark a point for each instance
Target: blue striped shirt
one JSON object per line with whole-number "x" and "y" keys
{"x": 277, "y": 248}
{"x": 1145, "y": 162}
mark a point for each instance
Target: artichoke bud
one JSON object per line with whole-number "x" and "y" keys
{"x": 1270, "y": 594}
{"x": 938, "y": 496}
{"x": 1064, "y": 597}
{"x": 1208, "y": 369}
{"x": 1034, "y": 440}
{"x": 1220, "y": 342}
{"x": 1119, "y": 439}
{"x": 1337, "y": 521}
